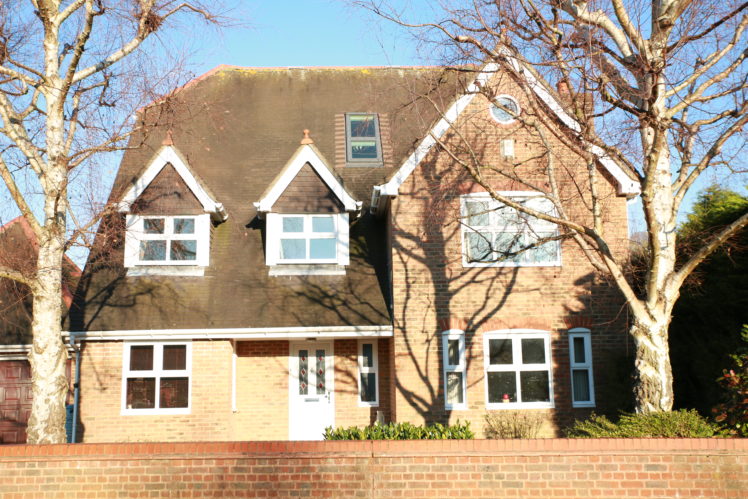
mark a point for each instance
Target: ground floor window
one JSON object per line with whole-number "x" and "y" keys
{"x": 518, "y": 369}
{"x": 580, "y": 359}
{"x": 156, "y": 378}
{"x": 453, "y": 358}
{"x": 368, "y": 373}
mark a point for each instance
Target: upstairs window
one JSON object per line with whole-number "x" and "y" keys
{"x": 307, "y": 239}
{"x": 494, "y": 234}
{"x": 167, "y": 240}
{"x": 505, "y": 109}
{"x": 363, "y": 142}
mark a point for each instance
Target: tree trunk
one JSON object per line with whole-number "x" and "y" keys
{"x": 653, "y": 385}
{"x": 48, "y": 354}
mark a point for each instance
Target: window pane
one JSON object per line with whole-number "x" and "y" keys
{"x": 183, "y": 250}
{"x": 507, "y": 218}
{"x": 502, "y": 387}
{"x": 175, "y": 357}
{"x": 293, "y": 249}
{"x": 546, "y": 252}
{"x": 323, "y": 224}
{"x": 153, "y": 225}
{"x": 454, "y": 388}
{"x": 364, "y": 149}
{"x": 506, "y": 110}
{"x": 362, "y": 126}
{"x": 141, "y": 358}
{"x": 141, "y": 393}
{"x": 367, "y": 355}
{"x": 535, "y": 387}
{"x": 581, "y": 381}
{"x": 453, "y": 352}
{"x": 323, "y": 249}
{"x": 579, "y": 354}
{"x": 320, "y": 372}
{"x": 303, "y": 372}
{"x": 533, "y": 351}
{"x": 152, "y": 250}
{"x": 368, "y": 387}
{"x": 184, "y": 226}
{"x": 500, "y": 351}
{"x": 477, "y": 213}
{"x": 479, "y": 246}
{"x": 174, "y": 392}
{"x": 293, "y": 224}
{"x": 508, "y": 245}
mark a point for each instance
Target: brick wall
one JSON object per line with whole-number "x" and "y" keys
{"x": 655, "y": 468}
{"x": 433, "y": 291}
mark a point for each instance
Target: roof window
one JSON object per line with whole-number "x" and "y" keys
{"x": 363, "y": 142}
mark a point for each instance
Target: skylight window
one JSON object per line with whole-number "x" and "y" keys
{"x": 362, "y": 138}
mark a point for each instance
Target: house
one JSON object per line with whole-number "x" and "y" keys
{"x": 18, "y": 250}
{"x": 292, "y": 251}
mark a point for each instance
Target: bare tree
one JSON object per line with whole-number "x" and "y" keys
{"x": 659, "y": 87}
{"x": 68, "y": 72}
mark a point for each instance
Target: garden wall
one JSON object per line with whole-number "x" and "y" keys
{"x": 472, "y": 468}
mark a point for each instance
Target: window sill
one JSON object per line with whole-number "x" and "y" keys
{"x": 368, "y": 404}
{"x": 311, "y": 269}
{"x": 509, "y": 264}
{"x": 582, "y": 405}
{"x": 519, "y": 405}
{"x": 166, "y": 270}
{"x": 156, "y": 412}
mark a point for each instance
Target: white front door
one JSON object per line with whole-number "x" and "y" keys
{"x": 311, "y": 394}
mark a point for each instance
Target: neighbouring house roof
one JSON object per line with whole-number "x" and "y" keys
{"x": 237, "y": 128}
{"x": 18, "y": 250}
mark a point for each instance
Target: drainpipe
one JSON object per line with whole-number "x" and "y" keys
{"x": 76, "y": 387}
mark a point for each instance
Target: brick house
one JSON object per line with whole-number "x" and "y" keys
{"x": 264, "y": 283}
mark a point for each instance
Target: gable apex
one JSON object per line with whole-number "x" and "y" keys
{"x": 169, "y": 155}
{"x": 307, "y": 153}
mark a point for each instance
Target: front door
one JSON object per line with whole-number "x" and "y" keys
{"x": 311, "y": 395}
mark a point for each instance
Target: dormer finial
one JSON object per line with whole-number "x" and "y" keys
{"x": 168, "y": 140}
{"x": 306, "y": 140}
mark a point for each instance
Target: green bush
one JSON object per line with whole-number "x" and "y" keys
{"x": 401, "y": 431}
{"x": 512, "y": 424}
{"x": 683, "y": 423}
{"x": 733, "y": 411}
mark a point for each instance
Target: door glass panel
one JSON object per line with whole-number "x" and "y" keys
{"x": 502, "y": 387}
{"x": 320, "y": 372}
{"x": 303, "y": 372}
{"x": 534, "y": 386}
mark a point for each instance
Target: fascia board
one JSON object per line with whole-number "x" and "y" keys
{"x": 167, "y": 155}
{"x": 626, "y": 185}
{"x": 306, "y": 154}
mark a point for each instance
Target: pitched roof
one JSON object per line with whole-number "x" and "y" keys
{"x": 237, "y": 128}
{"x": 18, "y": 250}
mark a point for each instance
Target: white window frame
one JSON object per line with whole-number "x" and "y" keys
{"x": 492, "y": 104}
{"x": 526, "y": 227}
{"x": 157, "y": 372}
{"x": 374, "y": 369}
{"x": 516, "y": 336}
{"x": 136, "y": 233}
{"x": 586, "y": 336}
{"x": 274, "y": 233}
{"x": 350, "y": 140}
{"x": 454, "y": 334}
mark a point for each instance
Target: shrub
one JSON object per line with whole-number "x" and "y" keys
{"x": 683, "y": 423}
{"x": 402, "y": 431}
{"x": 733, "y": 412}
{"x": 512, "y": 424}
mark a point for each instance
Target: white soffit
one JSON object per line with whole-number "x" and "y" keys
{"x": 169, "y": 155}
{"x": 626, "y": 186}
{"x": 303, "y": 155}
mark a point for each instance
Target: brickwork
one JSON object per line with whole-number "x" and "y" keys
{"x": 433, "y": 290}
{"x": 654, "y": 468}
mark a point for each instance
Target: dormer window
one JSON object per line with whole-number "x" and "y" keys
{"x": 307, "y": 238}
{"x": 167, "y": 240}
{"x": 363, "y": 142}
